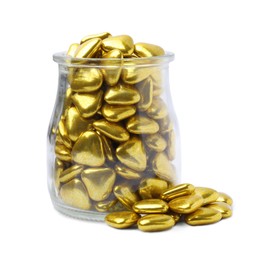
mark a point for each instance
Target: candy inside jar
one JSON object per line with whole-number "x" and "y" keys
{"x": 113, "y": 137}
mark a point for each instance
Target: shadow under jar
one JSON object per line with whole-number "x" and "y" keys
{"x": 113, "y": 136}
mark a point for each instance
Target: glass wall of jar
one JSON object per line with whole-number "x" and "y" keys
{"x": 113, "y": 137}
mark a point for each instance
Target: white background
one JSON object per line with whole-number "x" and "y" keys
{"x": 215, "y": 89}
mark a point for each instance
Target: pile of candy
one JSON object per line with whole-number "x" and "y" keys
{"x": 194, "y": 205}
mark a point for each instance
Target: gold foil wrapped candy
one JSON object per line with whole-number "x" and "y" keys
{"x": 150, "y": 206}
{"x": 152, "y": 188}
{"x": 142, "y": 125}
{"x": 112, "y": 130}
{"x": 132, "y": 153}
{"x": 155, "y": 142}
{"x": 88, "y": 48}
{"x": 203, "y": 216}
{"x": 113, "y": 68}
{"x": 222, "y": 207}
{"x": 155, "y": 222}
{"x": 88, "y": 150}
{"x": 128, "y": 173}
{"x": 122, "y": 94}
{"x": 186, "y": 204}
{"x": 117, "y": 113}
{"x": 75, "y": 124}
{"x": 133, "y": 75}
{"x": 70, "y": 173}
{"x": 126, "y": 195}
{"x": 148, "y": 50}
{"x": 102, "y": 36}
{"x": 158, "y": 109}
{"x": 178, "y": 191}
{"x": 86, "y": 80}
{"x": 62, "y": 152}
{"x": 123, "y": 43}
{"x": 123, "y": 219}
{"x": 163, "y": 168}
{"x": 145, "y": 88}
{"x": 99, "y": 182}
{"x": 209, "y": 195}
{"x": 88, "y": 104}
{"x": 223, "y": 197}
{"x": 75, "y": 194}
{"x": 106, "y": 205}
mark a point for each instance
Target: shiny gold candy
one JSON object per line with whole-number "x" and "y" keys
{"x": 72, "y": 49}
{"x": 134, "y": 55}
{"x": 209, "y": 195}
{"x": 105, "y": 205}
{"x": 117, "y": 113}
{"x": 203, "y": 216}
{"x": 64, "y": 134}
{"x": 155, "y": 222}
{"x": 155, "y": 142}
{"x": 152, "y": 188}
{"x": 70, "y": 173}
{"x": 177, "y": 191}
{"x": 117, "y": 207}
{"x": 75, "y": 124}
{"x": 88, "y": 150}
{"x": 222, "y": 207}
{"x": 122, "y": 95}
{"x": 124, "y": 43}
{"x": 175, "y": 216}
{"x": 88, "y": 103}
{"x": 99, "y": 182}
{"x": 170, "y": 150}
{"x": 123, "y": 219}
{"x": 148, "y": 206}
{"x": 157, "y": 91}
{"x": 158, "y": 81}
{"x": 102, "y": 36}
{"x": 139, "y": 124}
{"x": 145, "y": 89}
{"x": 166, "y": 125}
{"x": 59, "y": 167}
{"x": 148, "y": 50}
{"x": 88, "y": 48}
{"x": 108, "y": 148}
{"x": 132, "y": 154}
{"x": 186, "y": 204}
{"x": 223, "y": 197}
{"x": 158, "y": 109}
{"x": 125, "y": 195}
{"x": 67, "y": 102}
{"x": 113, "y": 66}
{"x": 75, "y": 194}
{"x": 132, "y": 74}
{"x": 60, "y": 140}
{"x": 62, "y": 152}
{"x": 163, "y": 168}
{"x": 86, "y": 80}
{"x": 127, "y": 173}
{"x": 99, "y": 54}
{"x": 111, "y": 130}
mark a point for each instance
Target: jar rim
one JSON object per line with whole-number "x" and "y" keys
{"x": 62, "y": 59}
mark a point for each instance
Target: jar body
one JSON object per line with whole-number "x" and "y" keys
{"x": 113, "y": 137}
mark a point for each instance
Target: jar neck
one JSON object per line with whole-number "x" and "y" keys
{"x": 156, "y": 61}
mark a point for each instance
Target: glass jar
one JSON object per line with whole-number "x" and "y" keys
{"x": 113, "y": 136}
